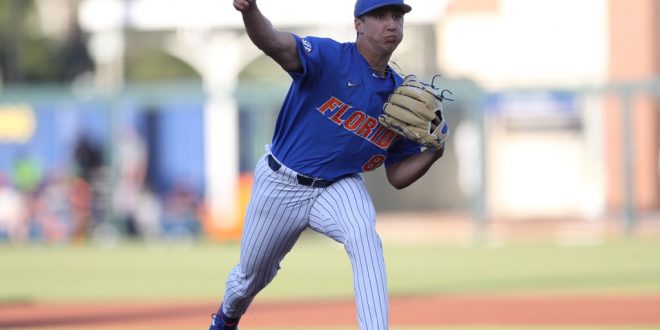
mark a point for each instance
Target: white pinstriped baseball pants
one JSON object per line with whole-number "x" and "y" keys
{"x": 280, "y": 209}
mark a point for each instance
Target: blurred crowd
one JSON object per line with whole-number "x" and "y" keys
{"x": 90, "y": 200}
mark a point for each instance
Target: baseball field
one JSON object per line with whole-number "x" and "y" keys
{"x": 538, "y": 285}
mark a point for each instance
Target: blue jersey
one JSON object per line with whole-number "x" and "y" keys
{"x": 328, "y": 125}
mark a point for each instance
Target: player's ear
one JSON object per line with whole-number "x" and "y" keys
{"x": 358, "y": 26}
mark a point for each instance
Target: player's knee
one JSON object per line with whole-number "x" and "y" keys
{"x": 362, "y": 234}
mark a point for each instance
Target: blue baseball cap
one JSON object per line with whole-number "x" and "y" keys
{"x": 364, "y": 6}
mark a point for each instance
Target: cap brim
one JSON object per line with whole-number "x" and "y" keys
{"x": 406, "y": 8}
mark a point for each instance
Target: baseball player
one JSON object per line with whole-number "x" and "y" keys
{"x": 326, "y": 135}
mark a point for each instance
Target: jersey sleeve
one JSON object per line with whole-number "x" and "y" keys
{"x": 400, "y": 150}
{"x": 310, "y": 56}
{"x": 315, "y": 54}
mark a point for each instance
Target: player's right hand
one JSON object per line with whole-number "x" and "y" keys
{"x": 244, "y": 5}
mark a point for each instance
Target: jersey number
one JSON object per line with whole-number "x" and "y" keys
{"x": 373, "y": 163}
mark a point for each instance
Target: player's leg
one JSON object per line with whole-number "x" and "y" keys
{"x": 345, "y": 212}
{"x": 276, "y": 215}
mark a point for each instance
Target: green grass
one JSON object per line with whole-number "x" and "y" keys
{"x": 319, "y": 268}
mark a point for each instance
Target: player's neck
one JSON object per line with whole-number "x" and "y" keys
{"x": 377, "y": 62}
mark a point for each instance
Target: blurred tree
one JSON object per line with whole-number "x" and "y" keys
{"x": 12, "y": 11}
{"x": 147, "y": 60}
{"x": 41, "y": 42}
{"x": 156, "y": 65}
{"x": 28, "y": 55}
{"x": 264, "y": 69}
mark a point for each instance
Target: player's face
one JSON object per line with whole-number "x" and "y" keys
{"x": 383, "y": 28}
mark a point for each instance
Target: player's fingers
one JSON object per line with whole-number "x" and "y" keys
{"x": 239, "y": 4}
{"x": 243, "y": 5}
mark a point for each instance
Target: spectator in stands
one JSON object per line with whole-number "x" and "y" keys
{"x": 13, "y": 212}
{"x": 87, "y": 186}
{"x": 131, "y": 153}
{"x": 180, "y": 218}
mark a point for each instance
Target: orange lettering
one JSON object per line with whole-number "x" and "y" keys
{"x": 373, "y": 163}
{"x": 355, "y": 120}
{"x": 386, "y": 139}
{"x": 377, "y": 134}
{"x": 336, "y": 117}
{"x": 330, "y": 104}
{"x": 367, "y": 127}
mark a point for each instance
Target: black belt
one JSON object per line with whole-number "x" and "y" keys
{"x": 303, "y": 180}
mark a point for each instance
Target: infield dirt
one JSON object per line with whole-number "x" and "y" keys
{"x": 405, "y": 311}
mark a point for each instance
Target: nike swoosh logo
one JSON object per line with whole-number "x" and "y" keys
{"x": 351, "y": 84}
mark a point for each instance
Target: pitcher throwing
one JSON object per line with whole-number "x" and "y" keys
{"x": 327, "y": 133}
